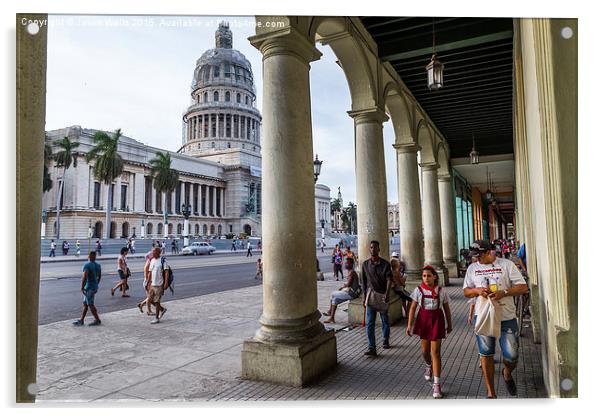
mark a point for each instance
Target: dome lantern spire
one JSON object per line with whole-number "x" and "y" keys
{"x": 223, "y": 36}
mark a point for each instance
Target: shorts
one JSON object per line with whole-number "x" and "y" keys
{"x": 89, "y": 297}
{"x": 155, "y": 293}
{"x": 339, "y": 296}
{"x": 508, "y": 342}
{"x": 122, "y": 275}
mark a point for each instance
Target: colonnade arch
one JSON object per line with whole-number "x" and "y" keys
{"x": 289, "y": 319}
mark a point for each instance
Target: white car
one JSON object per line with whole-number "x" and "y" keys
{"x": 198, "y": 248}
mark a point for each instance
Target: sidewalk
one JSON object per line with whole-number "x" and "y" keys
{"x": 198, "y": 357}
{"x": 139, "y": 254}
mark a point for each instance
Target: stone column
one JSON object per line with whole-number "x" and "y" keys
{"x": 31, "y": 112}
{"x": 448, "y": 224}
{"x": 292, "y": 346}
{"x": 371, "y": 182}
{"x": 223, "y": 201}
{"x": 213, "y": 201}
{"x": 411, "y": 246}
{"x": 431, "y": 216}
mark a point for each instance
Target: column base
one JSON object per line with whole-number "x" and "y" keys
{"x": 290, "y": 364}
{"x": 452, "y": 268}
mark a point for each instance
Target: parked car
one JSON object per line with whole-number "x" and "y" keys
{"x": 197, "y": 248}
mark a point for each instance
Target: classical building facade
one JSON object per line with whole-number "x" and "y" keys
{"x": 219, "y": 165}
{"x": 322, "y": 211}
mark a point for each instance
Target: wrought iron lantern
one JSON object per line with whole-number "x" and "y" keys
{"x": 434, "y": 69}
{"x": 474, "y": 155}
{"x": 317, "y": 168}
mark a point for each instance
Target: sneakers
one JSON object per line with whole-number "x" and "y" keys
{"x": 155, "y": 321}
{"x": 428, "y": 373}
{"x": 79, "y": 322}
{"x": 371, "y": 352}
{"x": 437, "y": 391}
{"x": 386, "y": 345}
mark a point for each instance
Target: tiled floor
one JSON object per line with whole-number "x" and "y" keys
{"x": 398, "y": 373}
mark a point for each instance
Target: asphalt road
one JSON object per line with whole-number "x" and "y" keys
{"x": 60, "y": 295}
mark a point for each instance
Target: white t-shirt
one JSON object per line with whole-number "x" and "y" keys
{"x": 504, "y": 273}
{"x": 156, "y": 272}
{"x": 429, "y": 303}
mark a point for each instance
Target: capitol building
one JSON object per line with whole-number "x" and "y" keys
{"x": 219, "y": 166}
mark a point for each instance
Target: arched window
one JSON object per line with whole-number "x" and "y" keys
{"x": 205, "y": 97}
{"x": 149, "y": 229}
{"x": 219, "y": 230}
{"x": 125, "y": 230}
{"x": 227, "y": 96}
{"x": 204, "y": 229}
{"x": 215, "y": 96}
{"x": 238, "y": 98}
{"x": 212, "y": 229}
{"x": 179, "y": 229}
{"x": 170, "y": 229}
{"x": 159, "y": 228}
{"x": 196, "y": 229}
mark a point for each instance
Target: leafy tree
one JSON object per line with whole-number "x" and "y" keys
{"x": 64, "y": 158}
{"x": 165, "y": 179}
{"x": 108, "y": 167}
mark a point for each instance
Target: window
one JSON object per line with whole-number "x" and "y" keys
{"x": 235, "y": 122}
{"x": 216, "y": 71}
{"x": 124, "y": 197}
{"x": 206, "y": 73}
{"x": 215, "y": 96}
{"x": 158, "y": 203}
{"x": 196, "y": 229}
{"x": 203, "y": 201}
{"x": 195, "y": 199}
{"x": 237, "y": 73}
{"x": 227, "y": 69}
{"x": 238, "y": 98}
{"x": 230, "y": 228}
{"x": 211, "y": 213}
{"x": 218, "y": 202}
{"x": 212, "y": 229}
{"x": 213, "y": 145}
{"x": 178, "y": 197}
{"x": 168, "y": 206}
{"x": 228, "y": 125}
{"x": 219, "y": 230}
{"x": 159, "y": 228}
{"x": 213, "y": 126}
{"x": 149, "y": 229}
{"x": 148, "y": 194}
{"x": 204, "y": 229}
{"x": 227, "y": 96}
{"x": 246, "y": 99}
{"x": 97, "y": 195}
{"x": 205, "y": 97}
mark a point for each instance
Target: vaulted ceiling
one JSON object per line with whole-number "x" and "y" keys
{"x": 476, "y": 97}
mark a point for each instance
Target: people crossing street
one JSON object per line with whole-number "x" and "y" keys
{"x": 89, "y": 286}
{"x": 249, "y": 252}
{"x": 52, "y": 249}
{"x": 337, "y": 262}
{"x": 157, "y": 283}
{"x": 98, "y": 248}
{"x": 124, "y": 274}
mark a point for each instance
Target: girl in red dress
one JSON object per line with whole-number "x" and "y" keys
{"x": 430, "y": 323}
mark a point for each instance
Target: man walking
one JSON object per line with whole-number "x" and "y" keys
{"x": 249, "y": 253}
{"x": 377, "y": 280}
{"x": 89, "y": 287}
{"x": 65, "y": 247}
{"x": 498, "y": 279}
{"x": 52, "y": 249}
{"x": 98, "y": 248}
{"x": 157, "y": 283}
{"x": 233, "y": 248}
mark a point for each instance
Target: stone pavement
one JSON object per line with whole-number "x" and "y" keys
{"x": 194, "y": 355}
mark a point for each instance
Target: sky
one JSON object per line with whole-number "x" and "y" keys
{"x": 134, "y": 73}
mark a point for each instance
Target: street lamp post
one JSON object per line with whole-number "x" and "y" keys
{"x": 186, "y": 210}
{"x": 43, "y": 230}
{"x": 317, "y": 168}
{"x": 142, "y": 230}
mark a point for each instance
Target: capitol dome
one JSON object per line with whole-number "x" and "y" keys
{"x": 222, "y": 115}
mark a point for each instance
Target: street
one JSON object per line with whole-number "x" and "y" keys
{"x": 60, "y": 294}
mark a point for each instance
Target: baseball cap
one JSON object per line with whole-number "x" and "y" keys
{"x": 479, "y": 246}
{"x": 395, "y": 254}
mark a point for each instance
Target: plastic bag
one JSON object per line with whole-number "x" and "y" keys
{"x": 488, "y": 322}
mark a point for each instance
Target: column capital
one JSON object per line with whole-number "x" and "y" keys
{"x": 287, "y": 41}
{"x": 368, "y": 115}
{"x": 429, "y": 166}
{"x": 445, "y": 177}
{"x": 407, "y": 147}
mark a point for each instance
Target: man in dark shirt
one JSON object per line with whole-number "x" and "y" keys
{"x": 378, "y": 276}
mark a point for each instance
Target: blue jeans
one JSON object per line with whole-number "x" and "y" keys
{"x": 370, "y": 323}
{"x": 508, "y": 342}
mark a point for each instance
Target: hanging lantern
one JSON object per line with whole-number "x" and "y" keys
{"x": 474, "y": 155}
{"x": 317, "y": 168}
{"x": 434, "y": 70}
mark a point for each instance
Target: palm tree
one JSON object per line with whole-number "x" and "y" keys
{"x": 165, "y": 179}
{"x": 352, "y": 216}
{"x": 109, "y": 165}
{"x": 46, "y": 181}
{"x": 65, "y": 157}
